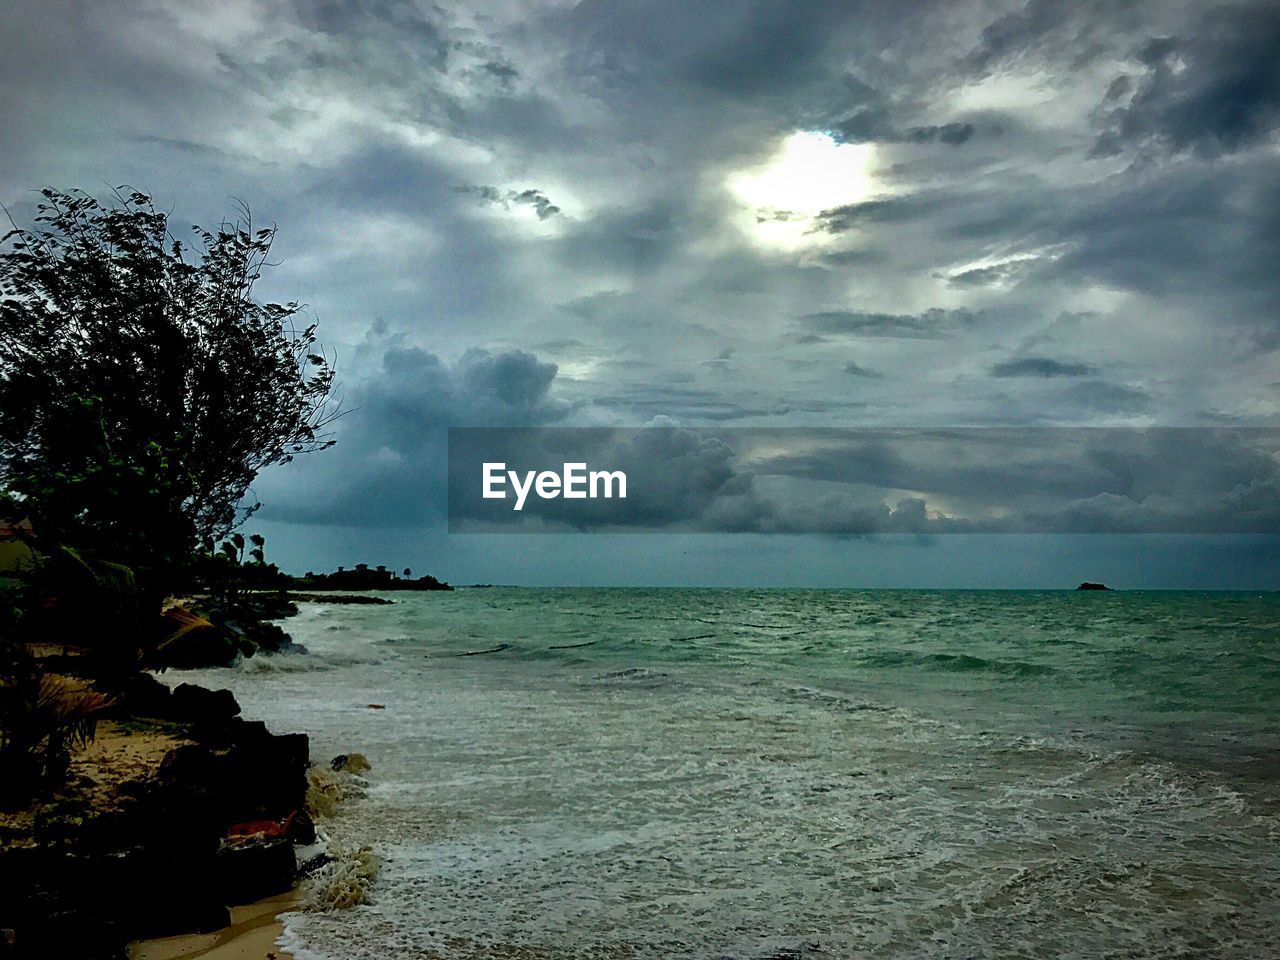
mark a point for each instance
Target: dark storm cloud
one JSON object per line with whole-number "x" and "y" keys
{"x": 1191, "y": 230}
{"x": 1213, "y": 91}
{"x": 857, "y": 370}
{"x": 504, "y": 73}
{"x": 1060, "y": 480}
{"x": 699, "y": 403}
{"x": 634, "y": 241}
{"x": 880, "y": 117}
{"x": 873, "y": 126}
{"x": 853, "y": 482}
{"x": 763, "y": 50}
{"x": 541, "y": 204}
{"x": 1039, "y": 367}
{"x": 1076, "y": 32}
{"x": 852, "y": 215}
{"x": 933, "y": 324}
{"x": 388, "y": 466}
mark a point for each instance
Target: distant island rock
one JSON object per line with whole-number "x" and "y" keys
{"x": 364, "y": 577}
{"x": 1092, "y": 586}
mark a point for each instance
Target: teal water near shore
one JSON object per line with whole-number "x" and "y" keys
{"x": 707, "y": 773}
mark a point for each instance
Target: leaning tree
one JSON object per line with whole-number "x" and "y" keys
{"x": 142, "y": 385}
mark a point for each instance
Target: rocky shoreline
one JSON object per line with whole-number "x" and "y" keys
{"x": 180, "y": 810}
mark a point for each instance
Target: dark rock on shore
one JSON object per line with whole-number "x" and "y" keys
{"x": 198, "y": 705}
{"x": 217, "y": 636}
{"x": 350, "y": 762}
{"x": 158, "y": 854}
{"x": 193, "y": 641}
{"x": 256, "y": 867}
{"x": 353, "y": 598}
{"x": 272, "y": 606}
{"x": 142, "y": 695}
{"x": 247, "y": 773}
{"x": 252, "y": 635}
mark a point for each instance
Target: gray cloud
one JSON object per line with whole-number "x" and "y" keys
{"x": 1039, "y": 367}
{"x": 1214, "y": 92}
{"x": 1080, "y": 32}
{"x": 933, "y": 324}
{"x": 857, "y": 370}
{"x": 1107, "y": 397}
{"x": 388, "y": 467}
{"x": 541, "y": 204}
{"x": 986, "y": 276}
{"x": 852, "y": 215}
{"x": 852, "y": 482}
{"x": 873, "y": 125}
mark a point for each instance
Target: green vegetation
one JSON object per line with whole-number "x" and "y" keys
{"x": 142, "y": 389}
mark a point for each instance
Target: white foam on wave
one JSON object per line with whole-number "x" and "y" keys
{"x": 344, "y": 882}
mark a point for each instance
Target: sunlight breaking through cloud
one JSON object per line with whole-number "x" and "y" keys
{"x": 810, "y": 172}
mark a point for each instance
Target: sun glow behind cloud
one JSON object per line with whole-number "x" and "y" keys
{"x": 810, "y": 172}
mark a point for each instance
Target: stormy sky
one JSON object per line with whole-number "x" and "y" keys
{"x": 739, "y": 214}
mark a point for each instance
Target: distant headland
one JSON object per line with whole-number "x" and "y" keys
{"x": 1092, "y": 586}
{"x": 364, "y": 577}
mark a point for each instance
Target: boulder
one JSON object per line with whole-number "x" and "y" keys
{"x": 256, "y": 867}
{"x": 142, "y": 695}
{"x": 300, "y": 829}
{"x": 268, "y": 637}
{"x": 256, "y": 777}
{"x": 189, "y": 640}
{"x": 197, "y": 705}
{"x": 350, "y": 763}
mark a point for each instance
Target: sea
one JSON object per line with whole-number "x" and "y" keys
{"x": 687, "y": 773}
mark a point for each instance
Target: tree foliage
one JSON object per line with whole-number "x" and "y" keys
{"x": 142, "y": 386}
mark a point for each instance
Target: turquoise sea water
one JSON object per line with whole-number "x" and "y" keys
{"x": 754, "y": 773}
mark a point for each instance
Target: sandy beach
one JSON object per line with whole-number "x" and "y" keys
{"x": 253, "y": 935}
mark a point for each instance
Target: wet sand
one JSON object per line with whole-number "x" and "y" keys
{"x": 252, "y": 935}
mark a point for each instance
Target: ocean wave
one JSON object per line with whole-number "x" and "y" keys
{"x": 344, "y": 882}
{"x": 957, "y": 663}
{"x": 344, "y": 879}
{"x": 633, "y": 676}
{"x": 303, "y": 662}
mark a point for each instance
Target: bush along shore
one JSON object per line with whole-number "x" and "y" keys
{"x": 178, "y": 811}
{"x": 142, "y": 391}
